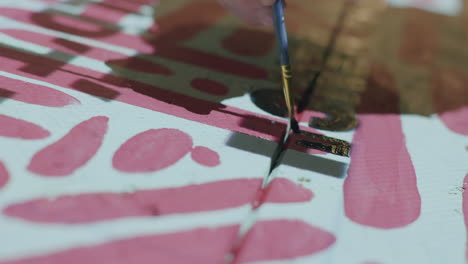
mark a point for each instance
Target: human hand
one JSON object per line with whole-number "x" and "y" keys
{"x": 257, "y": 12}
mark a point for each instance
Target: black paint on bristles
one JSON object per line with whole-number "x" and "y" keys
{"x": 295, "y": 126}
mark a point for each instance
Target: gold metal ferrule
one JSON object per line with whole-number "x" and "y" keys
{"x": 288, "y": 95}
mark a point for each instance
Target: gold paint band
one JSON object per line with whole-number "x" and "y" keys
{"x": 325, "y": 144}
{"x": 287, "y": 81}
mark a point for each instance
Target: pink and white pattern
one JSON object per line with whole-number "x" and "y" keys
{"x": 117, "y": 148}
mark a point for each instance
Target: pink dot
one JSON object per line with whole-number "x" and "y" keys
{"x": 209, "y": 87}
{"x": 466, "y": 148}
{"x": 205, "y": 157}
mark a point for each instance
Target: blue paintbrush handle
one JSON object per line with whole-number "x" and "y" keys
{"x": 281, "y": 33}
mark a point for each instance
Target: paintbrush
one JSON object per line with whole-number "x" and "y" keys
{"x": 286, "y": 73}
{"x": 311, "y": 140}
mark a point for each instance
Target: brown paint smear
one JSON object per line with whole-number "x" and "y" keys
{"x": 340, "y": 78}
{"x": 400, "y": 63}
{"x": 450, "y": 90}
{"x": 381, "y": 95}
{"x": 420, "y": 38}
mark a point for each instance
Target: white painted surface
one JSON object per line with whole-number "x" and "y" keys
{"x": 444, "y": 7}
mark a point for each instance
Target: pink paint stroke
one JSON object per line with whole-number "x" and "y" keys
{"x": 269, "y": 241}
{"x": 72, "y": 151}
{"x": 280, "y": 188}
{"x": 198, "y": 246}
{"x": 152, "y": 150}
{"x": 4, "y": 175}
{"x": 282, "y": 239}
{"x": 450, "y": 99}
{"x": 17, "y": 128}
{"x": 456, "y": 121}
{"x": 110, "y": 57}
{"x": 152, "y": 97}
{"x": 205, "y": 157}
{"x": 33, "y": 93}
{"x": 96, "y": 11}
{"x": 381, "y": 190}
{"x": 85, "y": 208}
{"x": 111, "y": 11}
{"x": 162, "y": 44}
